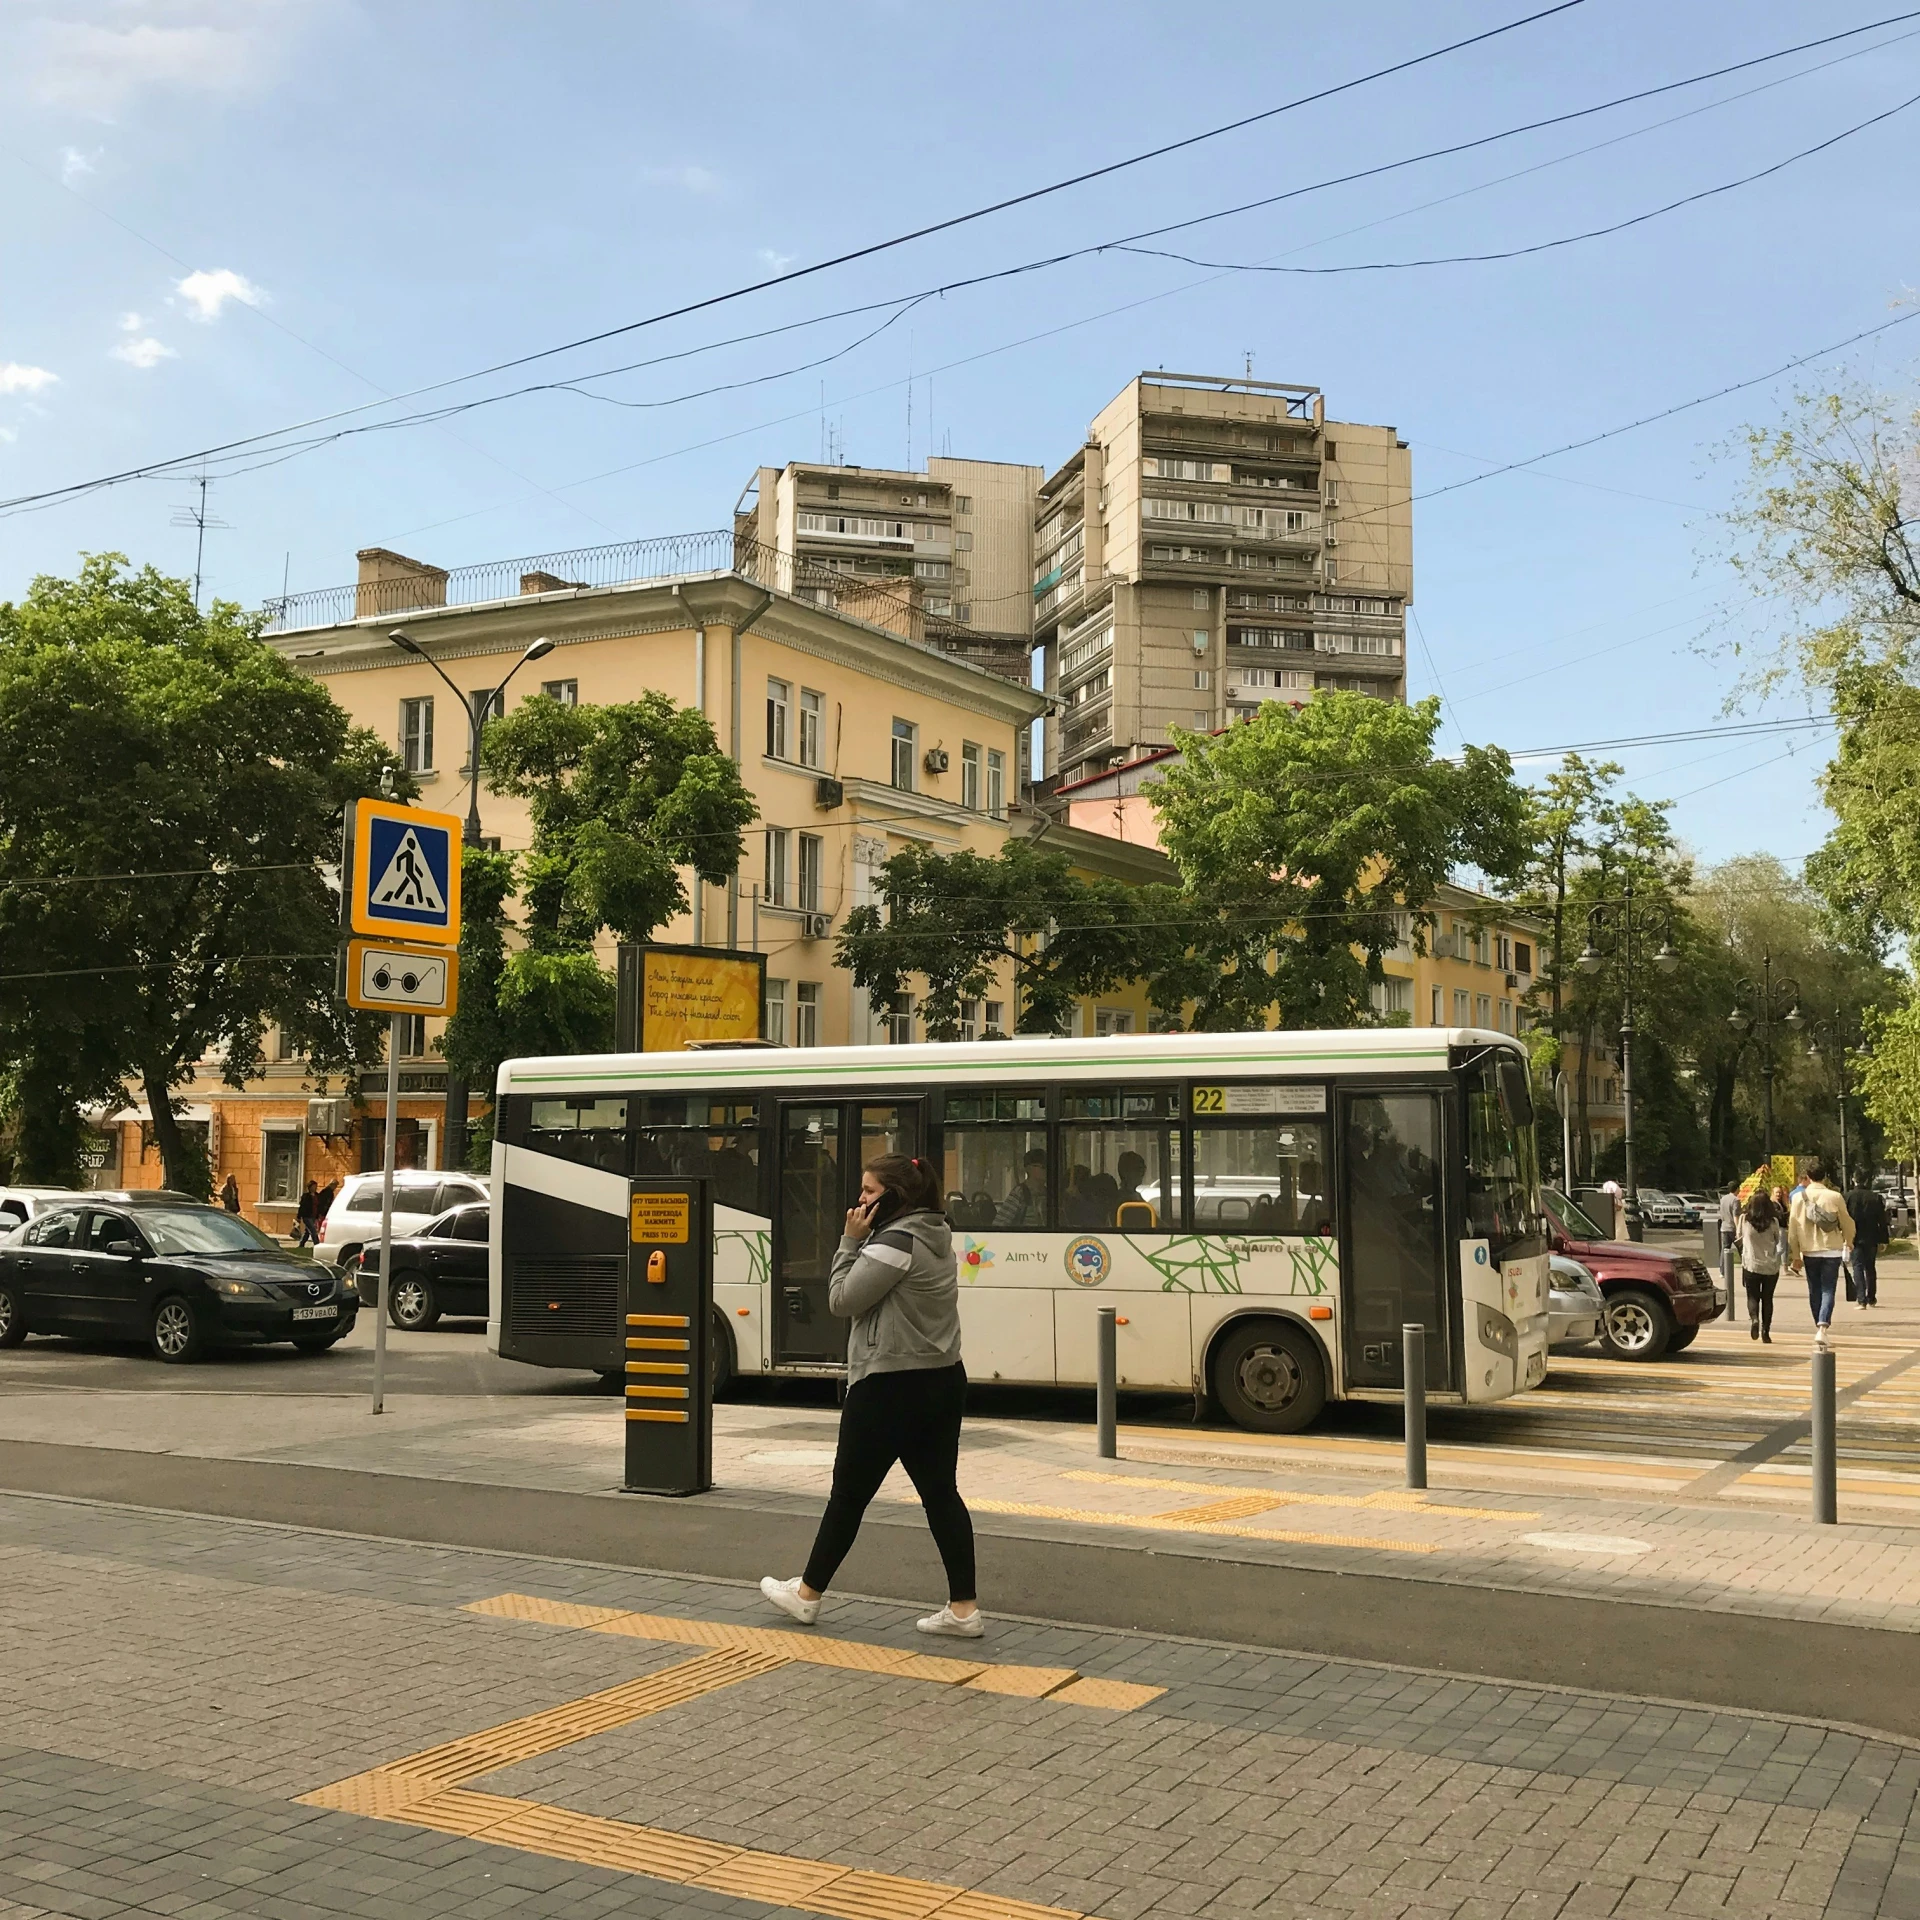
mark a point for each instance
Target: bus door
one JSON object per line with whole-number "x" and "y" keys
{"x": 823, "y": 1144}
{"x": 1393, "y": 1245}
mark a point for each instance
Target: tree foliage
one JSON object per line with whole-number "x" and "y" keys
{"x": 141, "y": 737}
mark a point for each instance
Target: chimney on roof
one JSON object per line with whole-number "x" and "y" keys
{"x": 542, "y": 582}
{"x": 390, "y": 583}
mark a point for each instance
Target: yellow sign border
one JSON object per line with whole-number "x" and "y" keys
{"x": 357, "y": 946}
{"x": 407, "y": 933}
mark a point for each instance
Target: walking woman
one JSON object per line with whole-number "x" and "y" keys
{"x": 896, "y": 1279}
{"x": 1763, "y": 1251}
{"x": 1819, "y": 1231}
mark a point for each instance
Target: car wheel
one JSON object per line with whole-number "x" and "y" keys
{"x": 176, "y": 1335}
{"x": 1636, "y": 1326}
{"x": 720, "y": 1363}
{"x": 415, "y": 1307}
{"x": 1269, "y": 1376}
{"x": 1683, "y": 1338}
{"x": 13, "y": 1323}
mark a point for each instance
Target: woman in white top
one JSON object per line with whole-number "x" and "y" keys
{"x": 1819, "y": 1232}
{"x": 1763, "y": 1251}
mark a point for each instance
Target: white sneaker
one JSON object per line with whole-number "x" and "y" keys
{"x": 969, "y": 1627}
{"x": 1819, "y": 1339}
{"x": 786, "y": 1595}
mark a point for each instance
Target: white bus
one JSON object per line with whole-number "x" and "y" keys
{"x": 1265, "y": 1210}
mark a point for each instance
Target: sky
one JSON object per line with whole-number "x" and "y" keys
{"x": 222, "y": 217}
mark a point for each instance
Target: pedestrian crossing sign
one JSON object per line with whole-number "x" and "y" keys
{"x": 402, "y": 873}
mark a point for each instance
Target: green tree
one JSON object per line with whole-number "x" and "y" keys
{"x": 1299, "y": 837}
{"x": 140, "y": 737}
{"x": 957, "y": 920}
{"x": 1889, "y": 1077}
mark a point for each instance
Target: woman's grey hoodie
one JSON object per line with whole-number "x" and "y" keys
{"x": 901, "y": 1289}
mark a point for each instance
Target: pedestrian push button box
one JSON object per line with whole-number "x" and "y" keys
{"x": 667, "y": 1313}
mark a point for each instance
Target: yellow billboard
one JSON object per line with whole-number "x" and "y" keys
{"x": 679, "y": 996}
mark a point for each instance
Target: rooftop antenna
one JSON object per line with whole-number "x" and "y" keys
{"x": 200, "y": 520}
{"x": 1249, "y": 373}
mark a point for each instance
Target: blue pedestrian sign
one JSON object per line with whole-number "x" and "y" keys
{"x": 403, "y": 873}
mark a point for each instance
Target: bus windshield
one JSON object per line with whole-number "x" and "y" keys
{"x": 1503, "y": 1183}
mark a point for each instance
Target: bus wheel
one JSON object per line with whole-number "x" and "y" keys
{"x": 1269, "y": 1377}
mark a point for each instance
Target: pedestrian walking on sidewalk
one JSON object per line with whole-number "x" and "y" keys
{"x": 1819, "y": 1232}
{"x": 305, "y": 1226}
{"x": 896, "y": 1279}
{"x": 1763, "y": 1251}
{"x": 1730, "y": 1213}
{"x": 1870, "y": 1234}
{"x": 230, "y": 1194}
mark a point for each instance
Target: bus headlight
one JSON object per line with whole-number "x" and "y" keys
{"x": 1498, "y": 1333}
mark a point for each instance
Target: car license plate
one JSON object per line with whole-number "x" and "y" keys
{"x": 328, "y": 1312}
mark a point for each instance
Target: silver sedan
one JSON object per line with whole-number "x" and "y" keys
{"x": 1575, "y": 1305}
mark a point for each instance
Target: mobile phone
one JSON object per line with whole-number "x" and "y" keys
{"x": 884, "y": 1208}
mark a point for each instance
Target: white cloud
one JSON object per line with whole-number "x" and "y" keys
{"x": 75, "y": 165}
{"x": 7, "y": 436}
{"x": 103, "y": 53}
{"x": 14, "y": 378}
{"x": 131, "y": 322}
{"x": 206, "y": 293}
{"x": 143, "y": 351}
{"x": 776, "y": 262}
{"x": 687, "y": 177}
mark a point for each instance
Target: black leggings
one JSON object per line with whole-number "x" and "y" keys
{"x": 913, "y": 1418}
{"x": 1760, "y": 1288}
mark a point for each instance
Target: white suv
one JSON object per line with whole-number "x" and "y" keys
{"x": 353, "y": 1221}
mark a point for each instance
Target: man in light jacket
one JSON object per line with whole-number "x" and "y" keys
{"x": 1819, "y": 1232}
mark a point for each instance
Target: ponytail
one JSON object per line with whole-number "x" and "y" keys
{"x": 914, "y": 1180}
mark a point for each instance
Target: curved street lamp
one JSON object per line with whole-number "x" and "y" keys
{"x": 1756, "y": 1017}
{"x": 1614, "y": 927}
{"x": 478, "y": 708}
{"x": 1834, "y": 1034}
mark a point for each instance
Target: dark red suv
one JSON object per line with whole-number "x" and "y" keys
{"x": 1657, "y": 1302}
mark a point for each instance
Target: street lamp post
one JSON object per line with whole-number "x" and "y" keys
{"x": 1613, "y": 928}
{"x": 478, "y": 708}
{"x": 1754, "y": 1015}
{"x": 1834, "y": 1033}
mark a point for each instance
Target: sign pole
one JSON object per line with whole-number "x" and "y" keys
{"x": 386, "y": 1216}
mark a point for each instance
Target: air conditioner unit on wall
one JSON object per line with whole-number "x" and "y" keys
{"x": 936, "y": 760}
{"x": 828, "y": 793}
{"x": 816, "y": 926}
{"x": 329, "y": 1118}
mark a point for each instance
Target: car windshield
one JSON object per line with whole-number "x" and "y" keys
{"x": 176, "y": 1230}
{"x": 1568, "y": 1218}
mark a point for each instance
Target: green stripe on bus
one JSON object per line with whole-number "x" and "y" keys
{"x": 1001, "y": 1069}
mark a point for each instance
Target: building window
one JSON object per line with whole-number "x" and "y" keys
{"x": 970, "y": 776}
{"x": 1483, "y": 1010}
{"x": 413, "y": 1036}
{"x": 1202, "y": 679}
{"x": 963, "y": 503}
{"x": 1506, "y": 1016}
{"x": 963, "y": 613}
{"x": 963, "y": 542}
{"x": 1107, "y": 1021}
{"x": 906, "y": 742}
{"x": 773, "y": 1013}
{"x": 1503, "y": 953}
{"x": 1522, "y": 957}
{"x": 1462, "y": 1007}
{"x": 567, "y": 692}
{"x": 282, "y": 1156}
{"x": 779, "y": 869}
{"x": 806, "y": 1014}
{"x": 996, "y": 783}
{"x": 283, "y": 1048}
{"x": 779, "y": 697}
{"x": 813, "y": 725}
{"x": 1392, "y": 995}
{"x": 489, "y": 702}
{"x": 1439, "y": 1011}
{"x": 416, "y": 735}
{"x": 900, "y": 1020}
{"x": 993, "y": 1018}
{"x": 812, "y": 852}
{"x": 1332, "y": 571}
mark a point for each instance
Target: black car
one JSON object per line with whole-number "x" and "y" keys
{"x": 440, "y": 1269}
{"x": 179, "y": 1275}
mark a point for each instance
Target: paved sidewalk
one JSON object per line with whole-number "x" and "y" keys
{"x": 175, "y": 1688}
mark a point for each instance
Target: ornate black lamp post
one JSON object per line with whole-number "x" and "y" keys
{"x": 1615, "y": 928}
{"x": 1756, "y": 1014}
{"x": 1831, "y": 1037}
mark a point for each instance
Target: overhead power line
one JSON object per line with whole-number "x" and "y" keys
{"x": 872, "y": 248}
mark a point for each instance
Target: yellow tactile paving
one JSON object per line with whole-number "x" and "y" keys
{"x": 1158, "y": 1523}
{"x": 1392, "y": 1499}
{"x": 1116, "y": 1696}
{"x": 776, "y": 1645}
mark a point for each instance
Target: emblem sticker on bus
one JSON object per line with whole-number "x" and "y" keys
{"x": 1089, "y": 1261}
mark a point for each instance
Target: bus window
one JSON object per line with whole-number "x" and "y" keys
{"x": 996, "y": 1167}
{"x": 590, "y": 1131}
{"x": 695, "y": 1136}
{"x": 1119, "y": 1147}
{"x": 1262, "y": 1176}
{"x": 1502, "y": 1201}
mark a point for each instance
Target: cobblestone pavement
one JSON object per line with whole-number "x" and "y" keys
{"x": 1682, "y": 1483}
{"x": 173, "y": 1686}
